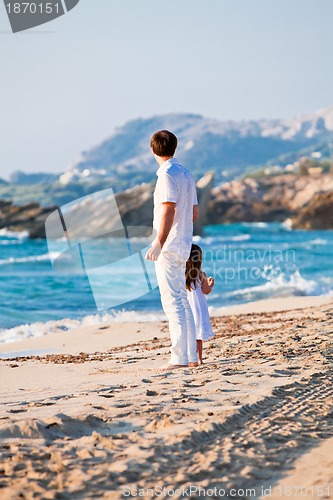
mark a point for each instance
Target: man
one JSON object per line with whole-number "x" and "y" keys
{"x": 175, "y": 209}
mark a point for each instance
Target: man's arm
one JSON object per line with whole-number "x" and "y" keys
{"x": 168, "y": 214}
{"x": 195, "y": 212}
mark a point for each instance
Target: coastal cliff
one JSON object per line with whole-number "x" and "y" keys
{"x": 29, "y": 217}
{"x": 306, "y": 200}
{"x": 135, "y": 207}
{"x": 273, "y": 198}
{"x": 204, "y": 192}
{"x": 318, "y": 214}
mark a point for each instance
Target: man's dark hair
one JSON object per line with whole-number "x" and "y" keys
{"x": 164, "y": 143}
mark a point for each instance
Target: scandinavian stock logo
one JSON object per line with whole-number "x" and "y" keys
{"x": 24, "y": 15}
{"x": 87, "y": 236}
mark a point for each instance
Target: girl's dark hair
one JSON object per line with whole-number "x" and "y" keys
{"x": 193, "y": 267}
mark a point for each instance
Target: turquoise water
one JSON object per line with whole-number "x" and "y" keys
{"x": 249, "y": 262}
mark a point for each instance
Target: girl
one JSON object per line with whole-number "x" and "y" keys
{"x": 198, "y": 286}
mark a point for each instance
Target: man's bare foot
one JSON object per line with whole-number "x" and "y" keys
{"x": 169, "y": 367}
{"x": 193, "y": 364}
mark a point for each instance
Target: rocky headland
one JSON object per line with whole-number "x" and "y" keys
{"x": 274, "y": 198}
{"x": 306, "y": 200}
{"x": 29, "y": 217}
{"x": 317, "y": 214}
{"x": 135, "y": 206}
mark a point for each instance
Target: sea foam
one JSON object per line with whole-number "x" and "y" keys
{"x": 30, "y": 258}
{"x": 7, "y": 233}
{"x": 280, "y": 286}
{"x": 51, "y": 327}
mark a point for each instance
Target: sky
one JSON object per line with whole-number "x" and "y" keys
{"x": 66, "y": 85}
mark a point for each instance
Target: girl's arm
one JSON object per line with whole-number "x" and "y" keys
{"x": 207, "y": 283}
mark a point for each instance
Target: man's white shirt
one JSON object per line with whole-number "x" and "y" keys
{"x": 176, "y": 184}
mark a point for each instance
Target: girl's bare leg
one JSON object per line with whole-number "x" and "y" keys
{"x": 199, "y": 351}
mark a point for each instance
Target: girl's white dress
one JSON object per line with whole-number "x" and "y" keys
{"x": 198, "y": 303}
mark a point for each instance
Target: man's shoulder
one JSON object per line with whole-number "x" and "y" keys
{"x": 176, "y": 170}
{"x": 173, "y": 169}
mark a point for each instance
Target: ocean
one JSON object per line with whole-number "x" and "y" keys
{"x": 249, "y": 261}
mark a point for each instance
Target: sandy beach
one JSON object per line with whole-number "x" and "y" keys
{"x": 84, "y": 414}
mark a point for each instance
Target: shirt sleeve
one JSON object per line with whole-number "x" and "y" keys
{"x": 195, "y": 197}
{"x": 168, "y": 189}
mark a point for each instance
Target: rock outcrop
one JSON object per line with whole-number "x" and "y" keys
{"x": 204, "y": 190}
{"x": 317, "y": 214}
{"x": 135, "y": 207}
{"x": 267, "y": 199}
{"x": 307, "y": 200}
{"x": 28, "y": 217}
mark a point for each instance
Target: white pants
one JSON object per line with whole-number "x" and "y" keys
{"x": 170, "y": 272}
